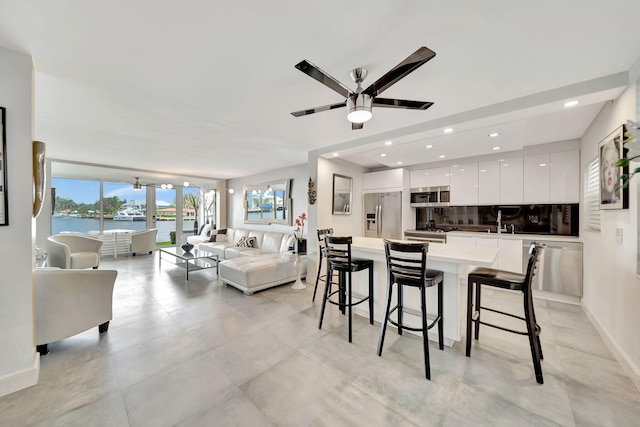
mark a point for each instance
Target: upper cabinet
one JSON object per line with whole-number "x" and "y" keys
{"x": 464, "y": 184}
{"x": 434, "y": 177}
{"x": 565, "y": 177}
{"x": 489, "y": 182}
{"x": 383, "y": 180}
{"x": 511, "y": 181}
{"x": 536, "y": 179}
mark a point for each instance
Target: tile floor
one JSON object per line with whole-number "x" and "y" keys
{"x": 203, "y": 354}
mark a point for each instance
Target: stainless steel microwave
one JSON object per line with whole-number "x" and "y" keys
{"x": 430, "y": 196}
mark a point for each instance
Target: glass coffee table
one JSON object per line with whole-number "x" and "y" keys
{"x": 198, "y": 259}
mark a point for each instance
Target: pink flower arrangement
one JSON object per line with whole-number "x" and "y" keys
{"x": 299, "y": 231}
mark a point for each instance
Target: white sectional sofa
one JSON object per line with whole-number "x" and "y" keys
{"x": 266, "y": 264}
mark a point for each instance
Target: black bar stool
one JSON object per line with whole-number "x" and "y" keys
{"x": 321, "y": 234}
{"x": 338, "y": 253}
{"x": 507, "y": 280}
{"x": 407, "y": 266}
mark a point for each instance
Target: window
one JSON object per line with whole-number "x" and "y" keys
{"x": 77, "y": 206}
{"x": 592, "y": 196}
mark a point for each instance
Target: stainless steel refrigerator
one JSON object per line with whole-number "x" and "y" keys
{"x": 383, "y": 215}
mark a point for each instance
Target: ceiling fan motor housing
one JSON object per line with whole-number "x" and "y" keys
{"x": 359, "y": 107}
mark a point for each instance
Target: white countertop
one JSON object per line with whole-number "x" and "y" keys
{"x": 456, "y": 254}
{"x": 542, "y": 237}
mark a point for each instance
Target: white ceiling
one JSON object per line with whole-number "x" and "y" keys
{"x": 205, "y": 88}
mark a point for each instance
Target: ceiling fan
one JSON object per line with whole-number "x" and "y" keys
{"x": 360, "y": 102}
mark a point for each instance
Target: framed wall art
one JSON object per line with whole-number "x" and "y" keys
{"x": 610, "y": 150}
{"x": 4, "y": 199}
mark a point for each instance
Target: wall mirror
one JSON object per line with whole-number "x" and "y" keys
{"x": 267, "y": 203}
{"x": 341, "y": 194}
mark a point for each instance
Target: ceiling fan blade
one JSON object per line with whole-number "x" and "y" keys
{"x": 401, "y": 103}
{"x": 324, "y": 78}
{"x": 415, "y": 60}
{"x": 318, "y": 109}
{"x": 356, "y": 126}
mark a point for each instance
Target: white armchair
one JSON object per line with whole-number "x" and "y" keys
{"x": 73, "y": 251}
{"x": 71, "y": 301}
{"x": 143, "y": 241}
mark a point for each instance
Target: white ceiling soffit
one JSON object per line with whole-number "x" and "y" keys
{"x": 206, "y": 88}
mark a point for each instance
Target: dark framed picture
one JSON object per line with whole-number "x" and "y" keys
{"x": 4, "y": 199}
{"x": 610, "y": 150}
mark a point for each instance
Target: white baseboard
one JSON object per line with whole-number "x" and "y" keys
{"x": 24, "y": 378}
{"x": 630, "y": 368}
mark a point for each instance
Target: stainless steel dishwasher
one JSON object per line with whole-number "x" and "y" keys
{"x": 560, "y": 268}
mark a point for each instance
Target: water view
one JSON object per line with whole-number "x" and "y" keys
{"x": 92, "y": 225}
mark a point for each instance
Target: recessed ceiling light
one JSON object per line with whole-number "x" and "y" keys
{"x": 447, "y": 174}
{"x": 429, "y": 146}
{"x": 461, "y": 170}
{"x": 496, "y": 148}
{"x": 335, "y": 154}
{"x": 483, "y": 170}
{"x": 442, "y": 156}
{"x": 454, "y": 166}
{"x": 572, "y": 103}
{"x": 383, "y": 155}
{"x": 494, "y": 134}
{"x": 542, "y": 164}
{"x": 388, "y": 143}
{"x": 186, "y": 183}
{"x": 448, "y": 130}
{"x": 399, "y": 163}
{"x": 506, "y": 164}
{"x": 426, "y": 173}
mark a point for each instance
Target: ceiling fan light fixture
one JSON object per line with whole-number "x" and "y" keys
{"x": 359, "y": 108}
{"x": 137, "y": 186}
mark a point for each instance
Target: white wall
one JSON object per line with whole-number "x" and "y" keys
{"x": 611, "y": 287}
{"x": 19, "y": 363}
{"x": 343, "y": 225}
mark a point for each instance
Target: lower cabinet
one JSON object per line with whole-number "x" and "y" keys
{"x": 510, "y": 251}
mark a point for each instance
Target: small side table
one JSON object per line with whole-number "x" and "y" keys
{"x": 297, "y": 265}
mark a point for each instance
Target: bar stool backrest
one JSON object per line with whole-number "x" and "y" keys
{"x": 532, "y": 264}
{"x": 322, "y": 232}
{"x": 338, "y": 252}
{"x": 406, "y": 262}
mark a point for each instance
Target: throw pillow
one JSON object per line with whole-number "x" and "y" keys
{"x": 222, "y": 231}
{"x": 212, "y": 238}
{"x": 247, "y": 242}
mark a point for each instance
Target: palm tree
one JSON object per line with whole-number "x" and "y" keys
{"x": 193, "y": 201}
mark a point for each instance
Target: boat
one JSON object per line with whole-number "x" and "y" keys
{"x": 129, "y": 215}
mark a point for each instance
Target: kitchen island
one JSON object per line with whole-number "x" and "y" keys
{"x": 447, "y": 258}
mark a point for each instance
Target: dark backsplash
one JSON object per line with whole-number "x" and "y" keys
{"x": 557, "y": 219}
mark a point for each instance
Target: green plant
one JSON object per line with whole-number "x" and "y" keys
{"x": 172, "y": 236}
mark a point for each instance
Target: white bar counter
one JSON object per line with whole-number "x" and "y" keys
{"x": 444, "y": 257}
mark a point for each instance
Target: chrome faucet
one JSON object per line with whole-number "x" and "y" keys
{"x": 513, "y": 228}
{"x": 499, "y": 221}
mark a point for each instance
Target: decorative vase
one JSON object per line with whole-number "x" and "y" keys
{"x": 301, "y": 246}
{"x": 187, "y": 247}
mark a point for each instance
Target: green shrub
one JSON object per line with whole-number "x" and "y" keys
{"x": 172, "y": 236}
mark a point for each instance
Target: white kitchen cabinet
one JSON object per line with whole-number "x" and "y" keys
{"x": 464, "y": 184}
{"x": 565, "y": 177}
{"x": 536, "y": 179}
{"x": 489, "y": 182}
{"x": 510, "y": 251}
{"x": 511, "y": 181}
{"x": 392, "y": 178}
{"x": 461, "y": 240}
{"x": 434, "y": 177}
